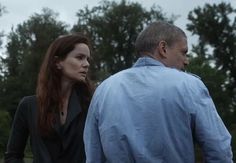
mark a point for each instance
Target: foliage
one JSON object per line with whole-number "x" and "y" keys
{"x": 214, "y": 80}
{"x": 233, "y": 143}
{"x": 2, "y": 11}
{"x": 4, "y": 130}
{"x": 113, "y": 28}
{"x": 216, "y": 27}
{"x": 25, "y": 49}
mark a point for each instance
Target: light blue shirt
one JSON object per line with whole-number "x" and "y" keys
{"x": 153, "y": 114}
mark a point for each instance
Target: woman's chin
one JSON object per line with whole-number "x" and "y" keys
{"x": 82, "y": 79}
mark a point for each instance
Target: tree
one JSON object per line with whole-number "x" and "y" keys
{"x": 216, "y": 29}
{"x": 214, "y": 81}
{"x": 25, "y": 49}
{"x": 113, "y": 28}
{"x": 4, "y": 130}
{"x": 2, "y": 11}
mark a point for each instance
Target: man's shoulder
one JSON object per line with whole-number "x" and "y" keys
{"x": 183, "y": 74}
{"x": 193, "y": 80}
{"x": 118, "y": 76}
{"x": 186, "y": 77}
{"x": 194, "y": 75}
{"x": 113, "y": 79}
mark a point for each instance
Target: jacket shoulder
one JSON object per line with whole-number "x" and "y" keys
{"x": 27, "y": 103}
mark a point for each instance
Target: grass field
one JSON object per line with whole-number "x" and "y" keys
{"x": 26, "y": 160}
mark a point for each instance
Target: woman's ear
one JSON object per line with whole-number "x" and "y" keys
{"x": 58, "y": 66}
{"x": 57, "y": 62}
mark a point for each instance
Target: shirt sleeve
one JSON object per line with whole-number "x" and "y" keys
{"x": 209, "y": 130}
{"x": 93, "y": 146}
{"x": 18, "y": 136}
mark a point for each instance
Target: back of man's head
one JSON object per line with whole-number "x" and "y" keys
{"x": 155, "y": 32}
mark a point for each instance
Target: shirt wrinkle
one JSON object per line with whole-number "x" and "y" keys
{"x": 149, "y": 114}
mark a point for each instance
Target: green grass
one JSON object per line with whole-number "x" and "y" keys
{"x": 27, "y": 160}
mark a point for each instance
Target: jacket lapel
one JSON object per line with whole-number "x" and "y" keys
{"x": 74, "y": 108}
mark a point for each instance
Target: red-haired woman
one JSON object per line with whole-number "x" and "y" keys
{"x": 54, "y": 118}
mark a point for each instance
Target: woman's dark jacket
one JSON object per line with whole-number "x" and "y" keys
{"x": 64, "y": 146}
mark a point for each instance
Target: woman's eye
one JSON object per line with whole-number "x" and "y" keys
{"x": 79, "y": 57}
{"x": 89, "y": 60}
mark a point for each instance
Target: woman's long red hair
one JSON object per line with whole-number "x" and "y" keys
{"x": 48, "y": 92}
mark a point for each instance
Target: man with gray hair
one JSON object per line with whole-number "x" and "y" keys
{"x": 154, "y": 112}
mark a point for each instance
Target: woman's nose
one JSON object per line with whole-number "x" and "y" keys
{"x": 86, "y": 63}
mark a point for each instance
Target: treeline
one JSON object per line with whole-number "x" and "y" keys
{"x": 113, "y": 28}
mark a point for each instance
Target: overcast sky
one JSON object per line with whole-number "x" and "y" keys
{"x": 19, "y": 11}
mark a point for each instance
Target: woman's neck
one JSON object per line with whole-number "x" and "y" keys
{"x": 66, "y": 87}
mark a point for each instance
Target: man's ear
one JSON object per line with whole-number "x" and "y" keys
{"x": 162, "y": 48}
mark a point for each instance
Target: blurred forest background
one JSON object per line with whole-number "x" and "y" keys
{"x": 113, "y": 28}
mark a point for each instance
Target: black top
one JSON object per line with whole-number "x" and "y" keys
{"x": 64, "y": 146}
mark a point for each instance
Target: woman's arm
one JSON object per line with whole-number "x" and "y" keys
{"x": 19, "y": 135}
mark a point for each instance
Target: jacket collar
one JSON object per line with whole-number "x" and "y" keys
{"x": 147, "y": 61}
{"x": 74, "y": 109}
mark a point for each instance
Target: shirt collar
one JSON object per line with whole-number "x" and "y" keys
{"x": 147, "y": 61}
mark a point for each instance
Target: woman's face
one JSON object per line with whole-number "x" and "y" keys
{"x": 75, "y": 66}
